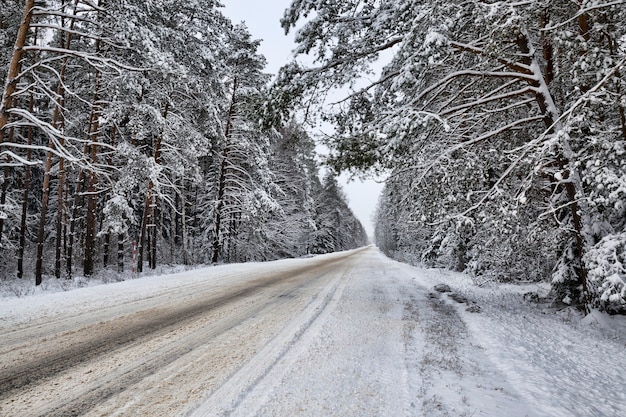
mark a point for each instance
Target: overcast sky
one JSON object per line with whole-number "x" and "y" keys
{"x": 263, "y": 21}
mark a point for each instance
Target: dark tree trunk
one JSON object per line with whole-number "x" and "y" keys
{"x": 120, "y": 253}
{"x": 27, "y": 175}
{"x": 91, "y": 216}
{"x": 60, "y": 215}
{"x": 15, "y": 66}
{"x": 11, "y": 82}
{"x": 58, "y": 118}
{"x": 148, "y": 219}
{"x": 573, "y": 183}
{"x": 142, "y": 230}
{"x": 5, "y": 186}
{"x": 105, "y": 249}
{"x": 222, "y": 179}
{"x": 77, "y": 204}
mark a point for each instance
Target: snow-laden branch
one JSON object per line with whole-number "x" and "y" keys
{"x": 77, "y": 33}
{"x": 582, "y": 12}
{"x": 567, "y": 114}
{"x": 369, "y": 87}
{"x": 471, "y": 73}
{"x": 40, "y": 11}
{"x": 481, "y": 102}
{"x": 476, "y": 140}
{"x": 53, "y": 134}
{"x": 517, "y": 66}
{"x": 92, "y": 59}
{"x": 40, "y": 63}
{"x": 535, "y": 142}
{"x": 42, "y": 86}
{"x": 337, "y": 62}
{"x": 20, "y": 161}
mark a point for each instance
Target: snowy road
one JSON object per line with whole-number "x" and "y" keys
{"x": 347, "y": 334}
{"x": 154, "y": 355}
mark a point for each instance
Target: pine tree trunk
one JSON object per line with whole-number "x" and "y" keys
{"x": 105, "y": 249}
{"x": 222, "y": 179}
{"x": 11, "y": 83}
{"x": 5, "y": 185}
{"x": 45, "y": 196}
{"x": 60, "y": 214}
{"x": 183, "y": 225}
{"x": 573, "y": 184}
{"x": 91, "y": 221}
{"x": 27, "y": 176}
{"x": 194, "y": 230}
{"x": 107, "y": 233}
{"x": 147, "y": 218}
{"x": 56, "y": 117}
{"x": 120, "y": 253}
{"x": 15, "y": 65}
{"x": 618, "y": 90}
{"x": 142, "y": 230}
{"x": 78, "y": 202}
{"x": 153, "y": 243}
{"x": 91, "y": 215}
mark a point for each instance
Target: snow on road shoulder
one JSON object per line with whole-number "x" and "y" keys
{"x": 564, "y": 364}
{"x": 54, "y": 300}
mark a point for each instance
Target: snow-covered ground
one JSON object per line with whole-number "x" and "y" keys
{"x": 366, "y": 336}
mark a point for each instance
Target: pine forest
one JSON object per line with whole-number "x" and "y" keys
{"x": 140, "y": 126}
{"x": 499, "y": 127}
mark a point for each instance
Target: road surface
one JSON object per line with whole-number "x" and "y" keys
{"x": 348, "y": 334}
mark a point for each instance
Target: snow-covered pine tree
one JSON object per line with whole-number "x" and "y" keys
{"x": 243, "y": 181}
{"x": 289, "y": 231}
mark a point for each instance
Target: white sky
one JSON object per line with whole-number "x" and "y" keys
{"x": 263, "y": 21}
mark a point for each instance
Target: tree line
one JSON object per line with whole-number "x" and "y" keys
{"x": 501, "y": 126}
{"x": 147, "y": 122}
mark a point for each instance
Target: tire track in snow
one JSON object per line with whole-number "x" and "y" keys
{"x": 93, "y": 342}
{"x": 242, "y": 385}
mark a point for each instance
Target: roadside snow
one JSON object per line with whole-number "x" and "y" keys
{"x": 562, "y": 363}
{"x": 56, "y": 299}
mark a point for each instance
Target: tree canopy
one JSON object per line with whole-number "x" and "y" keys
{"x": 501, "y": 125}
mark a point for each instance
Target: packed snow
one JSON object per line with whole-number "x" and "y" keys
{"x": 382, "y": 338}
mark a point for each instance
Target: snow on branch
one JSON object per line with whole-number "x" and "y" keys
{"x": 582, "y": 12}
{"x": 471, "y": 73}
{"x": 478, "y": 103}
{"x": 75, "y": 33}
{"x": 337, "y": 62}
{"x": 50, "y": 131}
{"x": 40, "y": 11}
{"x": 519, "y": 67}
{"x": 94, "y": 60}
{"x": 19, "y": 160}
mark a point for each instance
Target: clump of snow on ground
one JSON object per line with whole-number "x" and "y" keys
{"x": 565, "y": 363}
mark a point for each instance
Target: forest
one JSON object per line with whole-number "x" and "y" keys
{"x": 132, "y": 126}
{"x": 501, "y": 127}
